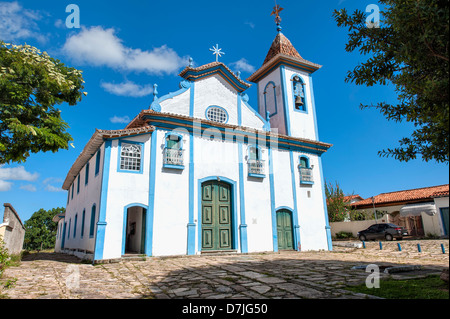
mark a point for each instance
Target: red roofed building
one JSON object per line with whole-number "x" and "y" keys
{"x": 422, "y": 211}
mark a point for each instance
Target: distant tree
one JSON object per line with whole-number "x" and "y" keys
{"x": 337, "y": 205}
{"x": 410, "y": 50}
{"x": 40, "y": 229}
{"x": 31, "y": 84}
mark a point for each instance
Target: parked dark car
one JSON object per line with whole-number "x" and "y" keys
{"x": 382, "y": 231}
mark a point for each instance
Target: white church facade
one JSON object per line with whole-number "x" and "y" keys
{"x": 201, "y": 171}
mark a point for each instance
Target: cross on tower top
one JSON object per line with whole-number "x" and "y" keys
{"x": 217, "y": 52}
{"x": 276, "y": 11}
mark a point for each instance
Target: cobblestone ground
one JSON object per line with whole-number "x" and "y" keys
{"x": 316, "y": 275}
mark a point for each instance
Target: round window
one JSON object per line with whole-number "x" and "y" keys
{"x": 217, "y": 114}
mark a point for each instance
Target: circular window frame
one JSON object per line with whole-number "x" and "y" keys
{"x": 207, "y": 115}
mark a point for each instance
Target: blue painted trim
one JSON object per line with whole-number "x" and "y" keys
{"x": 287, "y": 120}
{"x": 195, "y": 75}
{"x": 192, "y": 99}
{"x": 101, "y": 224}
{"x": 272, "y": 203}
{"x": 233, "y": 204}
{"x": 313, "y": 105}
{"x": 219, "y": 107}
{"x": 191, "y": 225}
{"x": 296, "y": 226}
{"x": 151, "y": 196}
{"x": 243, "y": 225}
{"x": 125, "y": 218}
{"x": 121, "y": 141}
{"x": 304, "y": 92}
{"x": 171, "y": 166}
{"x": 239, "y": 109}
{"x": 275, "y": 97}
{"x": 327, "y": 224}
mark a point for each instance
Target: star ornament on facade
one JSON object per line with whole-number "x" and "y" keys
{"x": 217, "y": 52}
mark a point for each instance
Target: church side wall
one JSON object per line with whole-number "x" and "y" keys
{"x": 82, "y": 200}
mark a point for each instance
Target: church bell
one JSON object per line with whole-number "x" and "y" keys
{"x": 298, "y": 101}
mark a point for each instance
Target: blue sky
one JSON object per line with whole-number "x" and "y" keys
{"x": 124, "y": 49}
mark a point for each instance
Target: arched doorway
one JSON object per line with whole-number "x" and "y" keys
{"x": 134, "y": 230}
{"x": 216, "y": 216}
{"x": 285, "y": 230}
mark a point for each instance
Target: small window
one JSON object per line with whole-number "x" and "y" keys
{"x": 78, "y": 184}
{"x": 130, "y": 157}
{"x": 75, "y": 226}
{"x": 217, "y": 114}
{"x": 254, "y": 153}
{"x": 303, "y": 162}
{"x": 97, "y": 163}
{"x": 86, "y": 178}
{"x": 83, "y": 217}
{"x": 92, "y": 228}
{"x": 173, "y": 151}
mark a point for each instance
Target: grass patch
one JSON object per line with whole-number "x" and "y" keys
{"x": 431, "y": 287}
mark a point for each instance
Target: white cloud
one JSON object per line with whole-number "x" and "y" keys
{"x": 19, "y": 23}
{"x": 14, "y": 174}
{"x": 29, "y": 187}
{"x": 5, "y": 186}
{"x": 243, "y": 65}
{"x": 121, "y": 120}
{"x": 101, "y": 47}
{"x": 128, "y": 89}
{"x": 52, "y": 188}
{"x": 17, "y": 174}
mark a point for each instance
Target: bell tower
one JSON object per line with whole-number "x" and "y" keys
{"x": 285, "y": 88}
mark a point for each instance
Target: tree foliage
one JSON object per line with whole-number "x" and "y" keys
{"x": 40, "y": 229}
{"x": 337, "y": 205}
{"x": 31, "y": 84}
{"x": 409, "y": 50}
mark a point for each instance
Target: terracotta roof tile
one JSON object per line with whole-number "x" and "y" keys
{"x": 281, "y": 45}
{"x": 407, "y": 195}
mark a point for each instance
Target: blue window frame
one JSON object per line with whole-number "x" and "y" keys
{"x": 97, "y": 163}
{"x": 256, "y": 165}
{"x": 83, "y": 217}
{"x": 92, "y": 227}
{"x": 270, "y": 99}
{"x": 131, "y": 156}
{"x": 73, "y": 187}
{"x": 68, "y": 231}
{"x": 306, "y": 171}
{"x": 173, "y": 151}
{"x": 299, "y": 94}
{"x": 86, "y": 176}
{"x": 78, "y": 184}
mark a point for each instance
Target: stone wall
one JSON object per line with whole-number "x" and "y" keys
{"x": 12, "y": 231}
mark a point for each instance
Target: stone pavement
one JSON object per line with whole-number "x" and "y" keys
{"x": 317, "y": 275}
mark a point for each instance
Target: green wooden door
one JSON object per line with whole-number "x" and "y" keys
{"x": 216, "y": 216}
{"x": 284, "y": 230}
